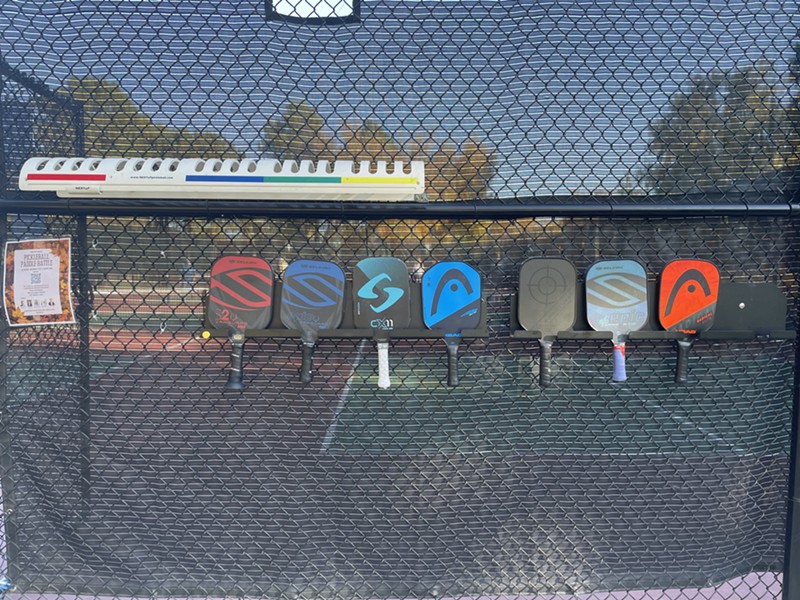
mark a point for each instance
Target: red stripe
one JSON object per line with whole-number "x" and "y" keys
{"x": 64, "y": 177}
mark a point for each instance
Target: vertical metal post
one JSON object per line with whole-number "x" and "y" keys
{"x": 6, "y": 462}
{"x": 83, "y": 315}
{"x": 791, "y": 561}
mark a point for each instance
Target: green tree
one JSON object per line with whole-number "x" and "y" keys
{"x": 685, "y": 141}
{"x": 790, "y": 154}
{"x": 752, "y": 118}
{"x": 115, "y": 126}
{"x": 725, "y": 130}
{"x": 368, "y": 141}
{"x": 298, "y": 133}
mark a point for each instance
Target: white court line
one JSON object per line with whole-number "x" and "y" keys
{"x": 331, "y": 432}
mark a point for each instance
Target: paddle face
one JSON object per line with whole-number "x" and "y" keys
{"x": 381, "y": 295}
{"x": 616, "y": 301}
{"x": 616, "y": 297}
{"x": 687, "y": 298}
{"x": 313, "y": 297}
{"x": 547, "y": 295}
{"x": 451, "y": 297}
{"x": 240, "y": 294}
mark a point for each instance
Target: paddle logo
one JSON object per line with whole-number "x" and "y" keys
{"x": 616, "y": 290}
{"x": 456, "y": 295}
{"x": 311, "y": 291}
{"x": 689, "y": 296}
{"x": 548, "y": 285}
{"x": 389, "y": 295}
{"x": 242, "y": 288}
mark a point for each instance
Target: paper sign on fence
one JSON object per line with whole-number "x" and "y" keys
{"x": 36, "y": 282}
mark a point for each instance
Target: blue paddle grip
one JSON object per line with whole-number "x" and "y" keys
{"x": 619, "y": 363}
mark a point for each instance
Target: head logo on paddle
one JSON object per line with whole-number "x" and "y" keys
{"x": 687, "y": 301}
{"x": 239, "y": 298}
{"x": 312, "y": 301}
{"x": 616, "y": 301}
{"x": 382, "y": 303}
{"x": 451, "y": 302}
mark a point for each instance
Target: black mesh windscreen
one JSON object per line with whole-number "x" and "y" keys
{"x": 150, "y": 479}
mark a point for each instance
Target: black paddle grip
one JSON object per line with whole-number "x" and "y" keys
{"x": 682, "y": 367}
{"x": 235, "y": 376}
{"x": 452, "y": 364}
{"x": 545, "y": 362}
{"x": 308, "y": 363}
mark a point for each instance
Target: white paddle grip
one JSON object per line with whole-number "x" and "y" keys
{"x": 384, "y": 381}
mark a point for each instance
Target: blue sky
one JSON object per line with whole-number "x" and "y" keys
{"x": 563, "y": 90}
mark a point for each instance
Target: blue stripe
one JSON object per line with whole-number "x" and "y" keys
{"x": 226, "y": 178}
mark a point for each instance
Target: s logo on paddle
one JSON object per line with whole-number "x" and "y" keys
{"x": 392, "y": 294}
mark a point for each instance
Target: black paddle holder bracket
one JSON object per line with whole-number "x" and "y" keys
{"x": 745, "y": 311}
{"x": 347, "y": 329}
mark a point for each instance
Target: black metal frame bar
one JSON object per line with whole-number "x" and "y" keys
{"x": 49, "y": 203}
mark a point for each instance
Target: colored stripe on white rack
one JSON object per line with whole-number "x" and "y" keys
{"x": 65, "y": 177}
{"x": 301, "y": 179}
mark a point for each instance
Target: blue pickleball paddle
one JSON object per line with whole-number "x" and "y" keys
{"x": 451, "y": 303}
{"x": 312, "y": 300}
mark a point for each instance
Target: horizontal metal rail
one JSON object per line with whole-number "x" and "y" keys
{"x": 533, "y": 207}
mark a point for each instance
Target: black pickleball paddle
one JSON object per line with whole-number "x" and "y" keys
{"x": 547, "y": 304}
{"x": 239, "y": 298}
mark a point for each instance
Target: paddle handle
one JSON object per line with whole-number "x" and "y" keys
{"x": 308, "y": 363}
{"x": 384, "y": 381}
{"x": 682, "y": 367}
{"x": 452, "y": 362}
{"x": 235, "y": 375}
{"x": 619, "y": 363}
{"x": 545, "y": 361}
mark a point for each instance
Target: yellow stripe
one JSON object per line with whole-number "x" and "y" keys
{"x": 382, "y": 180}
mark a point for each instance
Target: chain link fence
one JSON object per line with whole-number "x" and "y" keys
{"x": 133, "y": 473}
{"x": 556, "y": 129}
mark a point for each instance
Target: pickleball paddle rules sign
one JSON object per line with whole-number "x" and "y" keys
{"x": 36, "y": 282}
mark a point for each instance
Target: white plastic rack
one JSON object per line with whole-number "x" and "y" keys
{"x": 249, "y": 179}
